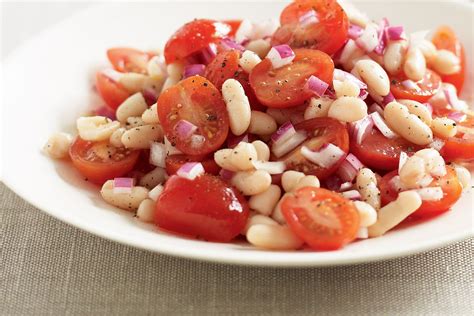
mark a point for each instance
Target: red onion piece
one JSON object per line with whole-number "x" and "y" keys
{"x": 349, "y": 168}
{"x": 430, "y": 194}
{"x": 272, "y": 167}
{"x": 281, "y": 55}
{"x": 345, "y": 186}
{"x": 355, "y": 31}
{"x": 333, "y": 183}
{"x": 325, "y": 157}
{"x": 106, "y": 112}
{"x": 204, "y": 56}
{"x": 185, "y": 129}
{"x": 158, "y": 154}
{"x": 363, "y": 95}
{"x": 353, "y": 195}
{"x": 190, "y": 170}
{"x": 285, "y": 132}
{"x": 394, "y": 33}
{"x": 233, "y": 140}
{"x": 369, "y": 39}
{"x": 316, "y": 85}
{"x": 226, "y": 174}
{"x": 410, "y": 84}
{"x": 375, "y": 108}
{"x": 382, "y": 126}
{"x": 387, "y": 99}
{"x": 382, "y": 37}
{"x": 362, "y": 128}
{"x": 342, "y": 75}
{"x": 150, "y": 96}
{"x": 112, "y": 74}
{"x": 294, "y": 141}
{"x": 229, "y": 44}
{"x": 123, "y": 185}
{"x": 308, "y": 18}
{"x": 194, "y": 69}
{"x": 402, "y": 161}
{"x": 452, "y": 98}
{"x": 437, "y": 144}
{"x": 457, "y": 116}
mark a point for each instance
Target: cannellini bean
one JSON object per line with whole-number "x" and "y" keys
{"x": 252, "y": 182}
{"x": 394, "y": 56}
{"x": 273, "y": 237}
{"x": 133, "y": 82}
{"x": 155, "y": 67}
{"x": 116, "y": 137}
{"x": 412, "y": 172}
{"x": 263, "y": 152}
{"x": 374, "y": 76}
{"x": 96, "y": 128}
{"x": 434, "y": 162}
{"x": 354, "y": 14}
{"x": 175, "y": 73}
{"x": 260, "y": 47}
{"x": 141, "y": 137}
{"x": 395, "y": 212}
{"x": 346, "y": 88}
{"x": 418, "y": 109}
{"x": 134, "y": 105}
{"x": 307, "y": 181}
{"x": 256, "y": 219}
{"x": 238, "y": 106}
{"x": 58, "y": 145}
{"x": 415, "y": 64}
{"x": 367, "y": 214}
{"x": 367, "y": 186}
{"x": 428, "y": 50}
{"x": 146, "y": 211}
{"x": 446, "y": 63}
{"x": 318, "y": 107}
{"x": 243, "y": 155}
{"x": 126, "y": 201}
{"x": 155, "y": 193}
{"x": 348, "y": 109}
{"x": 222, "y": 158}
{"x": 464, "y": 176}
{"x": 355, "y": 58}
{"x": 134, "y": 121}
{"x": 277, "y": 215}
{"x": 444, "y": 127}
{"x": 262, "y": 124}
{"x": 249, "y": 60}
{"x": 265, "y": 202}
{"x": 290, "y": 179}
{"x": 153, "y": 178}
{"x": 150, "y": 116}
{"x": 407, "y": 125}
{"x": 350, "y": 54}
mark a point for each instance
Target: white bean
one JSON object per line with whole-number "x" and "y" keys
{"x": 238, "y": 106}
{"x": 407, "y": 125}
{"x": 96, "y": 128}
{"x": 354, "y": 14}
{"x": 290, "y": 179}
{"x": 346, "y": 88}
{"x": 273, "y": 237}
{"x": 446, "y": 63}
{"x": 394, "y": 56}
{"x": 374, "y": 76}
{"x": 249, "y": 60}
{"x": 395, "y": 212}
{"x": 415, "y": 64}
{"x": 252, "y": 182}
{"x": 242, "y": 156}
{"x": 58, "y": 145}
{"x": 412, "y": 172}
{"x": 155, "y": 67}
{"x": 367, "y": 214}
{"x": 307, "y": 181}
{"x": 263, "y": 151}
{"x": 428, "y": 49}
{"x": 434, "y": 162}
{"x": 175, "y": 73}
{"x": 116, "y": 137}
{"x": 265, "y": 202}
{"x": 318, "y": 107}
{"x": 133, "y": 82}
{"x": 262, "y": 124}
{"x": 256, "y": 219}
{"x": 222, "y": 158}
{"x": 464, "y": 176}
{"x": 150, "y": 116}
{"x": 146, "y": 211}
{"x": 142, "y": 137}
{"x": 155, "y": 193}
{"x": 349, "y": 53}
{"x": 260, "y": 47}
{"x": 134, "y": 121}
{"x": 126, "y": 201}
{"x": 348, "y": 109}
{"x": 153, "y": 178}
{"x": 134, "y": 105}
{"x": 367, "y": 186}
{"x": 444, "y": 127}
{"x": 418, "y": 109}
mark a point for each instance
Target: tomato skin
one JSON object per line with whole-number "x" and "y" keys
{"x": 224, "y": 66}
{"x": 322, "y": 218}
{"x": 449, "y": 183}
{"x": 193, "y": 37}
{"x": 445, "y": 38}
{"x": 125, "y": 59}
{"x": 96, "y": 171}
{"x": 285, "y": 87}
{"x": 113, "y": 93}
{"x": 320, "y": 132}
{"x": 428, "y": 87}
{"x": 205, "y": 207}
{"x": 174, "y": 162}
{"x": 234, "y": 26}
{"x": 198, "y": 101}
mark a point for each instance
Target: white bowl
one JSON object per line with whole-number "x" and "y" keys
{"x": 48, "y": 84}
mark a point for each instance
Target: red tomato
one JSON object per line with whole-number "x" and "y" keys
{"x": 193, "y": 37}
{"x": 445, "y": 38}
{"x": 461, "y": 146}
{"x": 99, "y": 161}
{"x": 126, "y": 59}
{"x": 381, "y": 153}
{"x": 449, "y": 184}
{"x": 234, "y": 26}
{"x": 205, "y": 207}
{"x": 322, "y": 218}
{"x": 427, "y": 87}
{"x": 284, "y": 87}
{"x": 224, "y": 66}
{"x": 320, "y": 131}
{"x": 112, "y": 92}
{"x": 195, "y": 100}
{"x": 243, "y": 77}
{"x": 328, "y": 35}
{"x": 174, "y": 162}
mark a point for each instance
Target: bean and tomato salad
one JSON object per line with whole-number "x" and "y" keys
{"x": 314, "y": 131}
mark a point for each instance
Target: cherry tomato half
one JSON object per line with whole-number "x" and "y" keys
{"x": 224, "y": 66}
{"x": 112, "y": 92}
{"x": 461, "y": 146}
{"x": 322, "y": 218}
{"x": 125, "y": 59}
{"x": 174, "y": 162}
{"x": 197, "y": 101}
{"x": 426, "y": 87}
{"x": 205, "y": 207}
{"x": 99, "y": 161}
{"x": 285, "y": 87}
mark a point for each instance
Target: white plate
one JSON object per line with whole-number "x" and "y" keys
{"x": 48, "y": 84}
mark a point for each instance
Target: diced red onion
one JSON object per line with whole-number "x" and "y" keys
{"x": 457, "y": 116}
{"x": 437, "y": 144}
{"x": 375, "y": 108}
{"x": 316, "y": 86}
{"x": 362, "y": 233}
{"x": 112, "y": 74}
{"x": 272, "y": 167}
{"x": 226, "y": 174}
{"x": 185, "y": 129}
{"x": 345, "y": 186}
{"x": 363, "y": 95}
{"x": 394, "y": 33}
{"x": 294, "y": 141}
{"x": 347, "y": 51}
{"x": 349, "y": 168}
{"x": 403, "y": 159}
{"x": 330, "y": 93}
{"x": 369, "y": 39}
{"x": 106, "y": 112}
{"x": 452, "y": 99}
{"x": 204, "y": 56}
{"x": 150, "y": 96}
{"x": 382, "y": 37}
{"x": 355, "y": 31}
{"x": 190, "y": 170}
{"x": 281, "y": 55}
{"x": 308, "y": 18}
{"x": 194, "y": 69}
{"x": 123, "y": 185}
{"x": 325, "y": 157}
{"x": 410, "y": 84}
{"x": 396, "y": 183}
{"x": 342, "y": 75}
{"x": 430, "y": 194}
{"x": 334, "y": 183}
{"x": 353, "y": 195}
{"x": 387, "y": 99}
{"x": 244, "y": 32}
{"x": 230, "y": 44}
{"x": 233, "y": 140}
{"x": 285, "y": 132}
{"x": 155, "y": 193}
{"x": 158, "y": 154}
{"x": 197, "y": 141}
{"x": 382, "y": 126}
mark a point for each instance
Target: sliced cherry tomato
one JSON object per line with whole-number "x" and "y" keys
{"x": 445, "y": 38}
{"x": 197, "y": 101}
{"x": 243, "y": 77}
{"x": 285, "y": 87}
{"x": 427, "y": 87}
{"x": 234, "y": 26}
{"x": 193, "y": 37}
{"x": 100, "y": 161}
{"x": 224, "y": 66}
{"x": 205, "y": 207}
{"x": 126, "y": 59}
{"x": 112, "y": 92}
{"x": 461, "y": 146}
{"x": 321, "y": 131}
{"x": 322, "y": 218}
{"x": 449, "y": 184}
{"x": 381, "y": 153}
{"x": 328, "y": 34}
{"x": 174, "y": 162}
